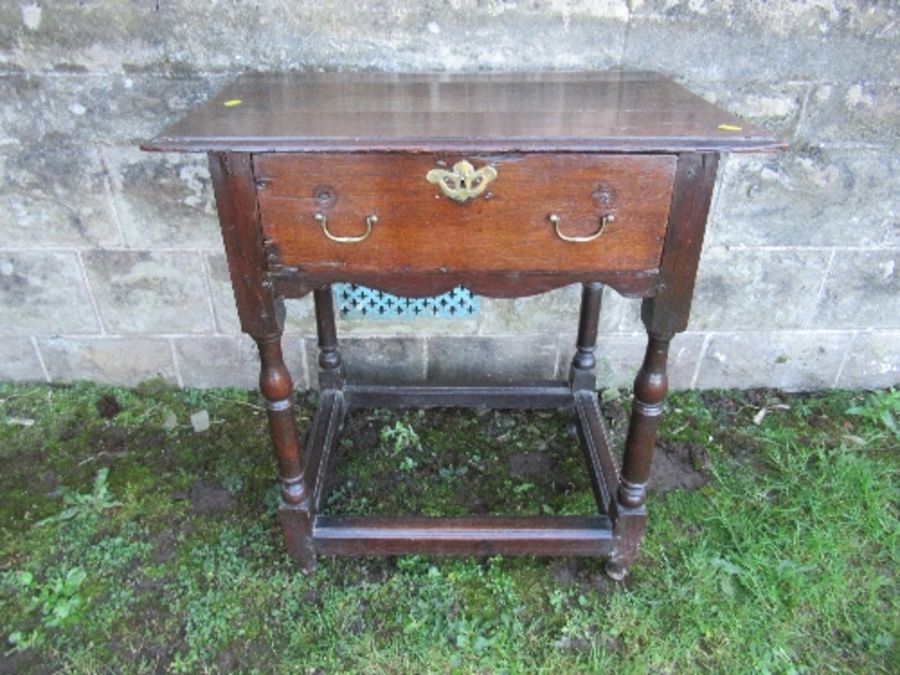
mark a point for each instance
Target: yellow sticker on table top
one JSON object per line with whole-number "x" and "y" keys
{"x": 232, "y": 102}
{"x": 730, "y": 127}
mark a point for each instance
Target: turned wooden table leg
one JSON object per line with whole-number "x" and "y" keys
{"x": 295, "y": 511}
{"x": 331, "y": 371}
{"x": 582, "y": 375}
{"x": 650, "y": 388}
{"x": 664, "y": 315}
{"x": 260, "y": 313}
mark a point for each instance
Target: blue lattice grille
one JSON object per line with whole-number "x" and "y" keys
{"x": 356, "y": 302}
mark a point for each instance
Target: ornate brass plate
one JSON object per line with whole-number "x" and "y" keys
{"x": 463, "y": 182}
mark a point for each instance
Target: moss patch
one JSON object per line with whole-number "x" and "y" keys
{"x": 772, "y": 543}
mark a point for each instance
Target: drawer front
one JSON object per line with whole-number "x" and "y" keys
{"x": 533, "y": 212}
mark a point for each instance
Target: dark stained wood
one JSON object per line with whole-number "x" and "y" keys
{"x": 538, "y": 395}
{"x": 487, "y": 535}
{"x": 232, "y": 178}
{"x": 472, "y": 112}
{"x": 581, "y": 375}
{"x": 506, "y": 228}
{"x": 290, "y": 283}
{"x": 324, "y": 431}
{"x": 668, "y": 311}
{"x": 331, "y": 374}
{"x": 596, "y": 445}
{"x": 346, "y": 146}
{"x": 650, "y": 388}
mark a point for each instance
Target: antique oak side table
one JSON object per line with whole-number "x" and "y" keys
{"x": 508, "y": 184}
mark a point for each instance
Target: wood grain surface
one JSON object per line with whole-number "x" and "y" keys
{"x": 608, "y": 111}
{"x": 504, "y": 229}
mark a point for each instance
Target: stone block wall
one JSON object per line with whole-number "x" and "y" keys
{"x": 111, "y": 264}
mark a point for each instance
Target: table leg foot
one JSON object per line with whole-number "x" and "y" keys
{"x": 296, "y": 523}
{"x": 615, "y": 570}
{"x": 628, "y": 531}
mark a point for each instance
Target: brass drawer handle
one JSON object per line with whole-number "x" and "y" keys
{"x": 554, "y": 218}
{"x": 370, "y": 221}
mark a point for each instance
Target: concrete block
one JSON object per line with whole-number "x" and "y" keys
{"x": 386, "y": 360}
{"x": 808, "y": 197}
{"x": 164, "y": 200}
{"x": 492, "y": 360}
{"x": 862, "y": 290}
{"x": 772, "y": 41}
{"x": 619, "y": 358}
{"x": 861, "y": 112}
{"x": 118, "y": 361}
{"x": 873, "y": 361}
{"x": 790, "y": 360}
{"x": 150, "y": 292}
{"x": 19, "y": 361}
{"x": 43, "y": 292}
{"x": 232, "y": 361}
{"x": 753, "y": 289}
{"x": 54, "y": 193}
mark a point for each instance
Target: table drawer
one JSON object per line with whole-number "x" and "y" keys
{"x": 422, "y": 212}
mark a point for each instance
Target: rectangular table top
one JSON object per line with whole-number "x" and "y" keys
{"x": 608, "y": 111}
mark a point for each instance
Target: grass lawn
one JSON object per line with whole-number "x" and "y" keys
{"x": 130, "y": 542}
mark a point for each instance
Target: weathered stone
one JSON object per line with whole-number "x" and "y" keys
{"x": 772, "y": 105}
{"x": 223, "y": 301}
{"x": 55, "y": 193}
{"x": 808, "y": 197}
{"x": 790, "y": 360}
{"x": 147, "y": 292}
{"x": 19, "y": 361}
{"x": 861, "y": 112}
{"x": 124, "y": 362}
{"x": 233, "y": 361}
{"x": 619, "y": 358}
{"x": 496, "y": 360}
{"x": 619, "y": 314}
{"x": 44, "y": 292}
{"x": 164, "y": 200}
{"x": 423, "y": 326}
{"x": 545, "y": 313}
{"x": 772, "y": 41}
{"x": 862, "y": 290}
{"x": 300, "y": 315}
{"x": 93, "y": 107}
{"x": 873, "y": 361}
{"x": 187, "y": 36}
{"x": 748, "y": 288}
{"x": 556, "y": 312}
{"x": 375, "y": 360}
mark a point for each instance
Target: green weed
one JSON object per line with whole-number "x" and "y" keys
{"x": 79, "y": 505}
{"x": 786, "y": 559}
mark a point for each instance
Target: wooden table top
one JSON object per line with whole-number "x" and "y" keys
{"x": 611, "y": 111}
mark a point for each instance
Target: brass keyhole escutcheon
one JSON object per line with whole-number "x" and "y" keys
{"x": 463, "y": 182}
